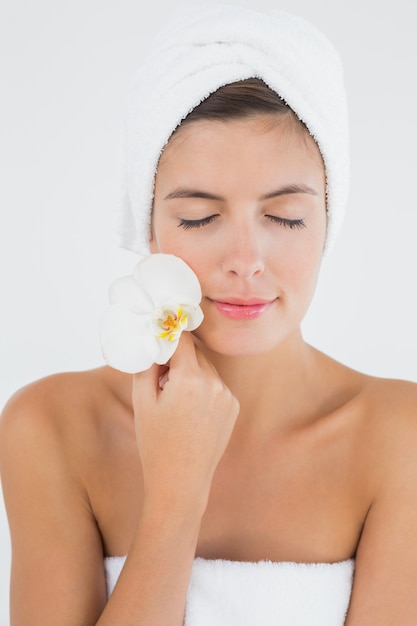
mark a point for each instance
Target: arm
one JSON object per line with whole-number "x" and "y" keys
{"x": 182, "y": 432}
{"x": 385, "y": 585}
{"x": 57, "y": 571}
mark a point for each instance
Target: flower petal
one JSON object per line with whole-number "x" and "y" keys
{"x": 149, "y": 311}
{"x": 166, "y": 277}
{"x": 195, "y": 316}
{"x": 127, "y": 341}
{"x": 126, "y": 291}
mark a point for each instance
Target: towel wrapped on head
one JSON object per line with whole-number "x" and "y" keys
{"x": 206, "y": 47}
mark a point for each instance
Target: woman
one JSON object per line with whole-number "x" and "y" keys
{"x": 252, "y": 479}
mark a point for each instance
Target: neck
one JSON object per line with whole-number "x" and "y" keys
{"x": 273, "y": 387}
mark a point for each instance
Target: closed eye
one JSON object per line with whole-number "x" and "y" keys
{"x": 186, "y": 224}
{"x": 287, "y": 223}
{"x": 282, "y": 221}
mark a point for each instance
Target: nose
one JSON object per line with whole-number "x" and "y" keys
{"x": 242, "y": 254}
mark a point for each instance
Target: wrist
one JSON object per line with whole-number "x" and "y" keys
{"x": 182, "y": 510}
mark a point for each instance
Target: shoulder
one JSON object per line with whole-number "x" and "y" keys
{"x": 386, "y": 406}
{"x": 390, "y": 406}
{"x": 387, "y": 411}
{"x": 50, "y": 400}
{"x": 55, "y": 395}
{"x": 378, "y": 417}
{"x": 57, "y": 409}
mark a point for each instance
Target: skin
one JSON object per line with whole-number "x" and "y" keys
{"x": 257, "y": 447}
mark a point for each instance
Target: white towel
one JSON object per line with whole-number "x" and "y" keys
{"x": 205, "y": 47}
{"x": 232, "y": 593}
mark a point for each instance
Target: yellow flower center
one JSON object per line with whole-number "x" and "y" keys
{"x": 171, "y": 323}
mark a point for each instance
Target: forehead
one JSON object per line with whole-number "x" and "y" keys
{"x": 263, "y": 142}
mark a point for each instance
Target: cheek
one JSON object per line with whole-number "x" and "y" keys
{"x": 297, "y": 266}
{"x": 302, "y": 277}
{"x": 200, "y": 263}
{"x": 167, "y": 241}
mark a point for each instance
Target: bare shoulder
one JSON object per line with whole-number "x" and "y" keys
{"x": 62, "y": 407}
{"x": 390, "y": 408}
{"x": 386, "y": 405}
{"x": 390, "y": 426}
{"x": 381, "y": 416}
{"x": 390, "y": 392}
{"x": 59, "y": 389}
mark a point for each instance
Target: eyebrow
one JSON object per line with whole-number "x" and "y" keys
{"x": 290, "y": 189}
{"x": 184, "y": 192}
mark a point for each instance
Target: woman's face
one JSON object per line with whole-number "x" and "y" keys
{"x": 243, "y": 203}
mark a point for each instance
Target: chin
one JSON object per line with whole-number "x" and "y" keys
{"x": 235, "y": 343}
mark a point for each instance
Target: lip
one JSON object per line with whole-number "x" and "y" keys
{"x": 241, "y": 309}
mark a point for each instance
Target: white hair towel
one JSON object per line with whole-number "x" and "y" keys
{"x": 205, "y": 47}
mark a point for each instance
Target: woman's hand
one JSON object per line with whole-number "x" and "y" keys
{"x": 184, "y": 417}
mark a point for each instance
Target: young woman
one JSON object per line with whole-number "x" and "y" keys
{"x": 251, "y": 480}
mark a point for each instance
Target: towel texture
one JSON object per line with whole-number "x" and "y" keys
{"x": 205, "y": 47}
{"x": 231, "y": 593}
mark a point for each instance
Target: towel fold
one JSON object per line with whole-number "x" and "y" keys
{"x": 205, "y": 47}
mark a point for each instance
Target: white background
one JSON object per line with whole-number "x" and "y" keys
{"x": 65, "y": 67}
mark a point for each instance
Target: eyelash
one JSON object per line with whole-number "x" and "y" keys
{"x": 186, "y": 224}
{"x": 282, "y": 221}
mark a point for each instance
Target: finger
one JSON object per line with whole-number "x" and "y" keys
{"x": 146, "y": 384}
{"x": 163, "y": 377}
{"x": 189, "y": 355}
{"x": 185, "y": 355}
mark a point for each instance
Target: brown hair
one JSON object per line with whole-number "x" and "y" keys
{"x": 243, "y": 98}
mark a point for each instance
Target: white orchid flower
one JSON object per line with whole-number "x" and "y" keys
{"x": 148, "y": 312}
